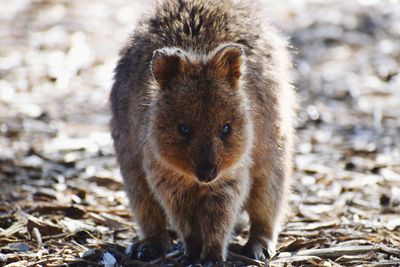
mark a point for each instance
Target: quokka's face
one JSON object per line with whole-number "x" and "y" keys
{"x": 200, "y": 123}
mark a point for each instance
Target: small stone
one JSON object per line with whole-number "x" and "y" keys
{"x": 109, "y": 260}
{"x": 3, "y": 258}
{"x": 20, "y": 247}
{"x": 88, "y": 253}
{"x": 350, "y": 166}
{"x": 384, "y": 200}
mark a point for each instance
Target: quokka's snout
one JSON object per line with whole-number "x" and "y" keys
{"x": 206, "y": 161}
{"x": 206, "y": 171}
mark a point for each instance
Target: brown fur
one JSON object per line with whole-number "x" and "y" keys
{"x": 205, "y": 64}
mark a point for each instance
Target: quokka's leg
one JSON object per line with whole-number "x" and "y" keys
{"x": 217, "y": 218}
{"x": 148, "y": 214}
{"x": 265, "y": 206}
{"x": 179, "y": 201}
{"x": 193, "y": 245}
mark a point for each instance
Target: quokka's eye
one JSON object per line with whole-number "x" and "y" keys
{"x": 183, "y": 130}
{"x": 226, "y": 129}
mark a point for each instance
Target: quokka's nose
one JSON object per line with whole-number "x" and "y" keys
{"x": 206, "y": 171}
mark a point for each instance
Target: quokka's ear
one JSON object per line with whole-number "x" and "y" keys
{"x": 228, "y": 62}
{"x": 166, "y": 65}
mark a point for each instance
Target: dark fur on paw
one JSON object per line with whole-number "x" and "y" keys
{"x": 212, "y": 260}
{"x": 211, "y": 263}
{"x": 186, "y": 260}
{"x": 148, "y": 252}
{"x": 149, "y": 249}
{"x": 256, "y": 251}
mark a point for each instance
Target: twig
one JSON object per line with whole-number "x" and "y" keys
{"x": 244, "y": 259}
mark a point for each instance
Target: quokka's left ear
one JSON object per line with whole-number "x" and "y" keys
{"x": 227, "y": 62}
{"x": 167, "y": 64}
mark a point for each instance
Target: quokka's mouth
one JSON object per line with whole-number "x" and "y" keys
{"x": 207, "y": 175}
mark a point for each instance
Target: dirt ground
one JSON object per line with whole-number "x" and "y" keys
{"x": 61, "y": 197}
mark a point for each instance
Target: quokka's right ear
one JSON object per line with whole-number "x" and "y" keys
{"x": 227, "y": 62}
{"x": 166, "y": 65}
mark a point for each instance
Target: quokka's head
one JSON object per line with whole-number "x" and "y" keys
{"x": 200, "y": 124}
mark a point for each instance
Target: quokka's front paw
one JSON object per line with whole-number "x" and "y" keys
{"x": 212, "y": 259}
{"x": 187, "y": 260}
{"x": 149, "y": 249}
{"x": 255, "y": 250}
{"x": 212, "y": 263}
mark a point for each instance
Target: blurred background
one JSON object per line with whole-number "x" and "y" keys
{"x": 61, "y": 196}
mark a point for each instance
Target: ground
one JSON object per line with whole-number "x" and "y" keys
{"x": 61, "y": 197}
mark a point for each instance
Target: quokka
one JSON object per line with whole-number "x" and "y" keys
{"x": 203, "y": 114}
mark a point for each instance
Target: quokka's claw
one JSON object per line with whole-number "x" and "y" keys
{"x": 256, "y": 251}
